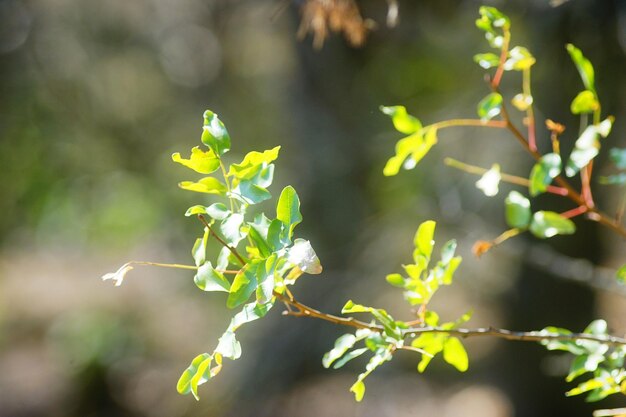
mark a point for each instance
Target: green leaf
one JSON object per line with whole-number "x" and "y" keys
{"x": 265, "y": 280}
{"x": 454, "y": 353}
{"x": 621, "y": 274}
{"x": 487, "y": 60}
{"x": 583, "y": 364}
{"x": 250, "y": 312}
{"x": 218, "y": 211}
{"x": 495, "y": 17}
{"x": 585, "y": 387}
{"x": 231, "y": 228}
{"x": 404, "y": 147}
{"x": 250, "y": 193}
{"x": 597, "y": 328}
{"x": 207, "y": 185}
{"x": 519, "y": 59}
{"x": 447, "y": 252}
{"x": 243, "y": 286}
{"x": 490, "y": 106}
{"x": 259, "y": 241}
{"x": 184, "y": 385}
{"x": 396, "y": 280}
{"x": 432, "y": 343}
{"x": 303, "y": 256}
{"x": 349, "y": 356}
{"x": 490, "y": 180}
{"x": 199, "y": 248}
{"x": 342, "y": 344}
{"x": 585, "y": 102}
{"x": 585, "y": 69}
{"x": 194, "y": 210}
{"x": 544, "y": 171}
{"x": 208, "y": 279}
{"x": 564, "y": 345}
{"x": 410, "y": 150}
{"x": 585, "y": 149}
{"x": 214, "y": 134}
{"x": 450, "y": 270}
{"x": 199, "y": 161}
{"x": 517, "y": 210}
{"x": 288, "y": 209}
{"x": 424, "y": 238}
{"x": 358, "y": 388}
{"x": 546, "y": 224}
{"x": 351, "y": 307}
{"x": 252, "y": 163}
{"x": 402, "y": 121}
{"x": 228, "y": 346}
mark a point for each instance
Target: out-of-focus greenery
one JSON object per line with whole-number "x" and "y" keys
{"x": 95, "y": 97}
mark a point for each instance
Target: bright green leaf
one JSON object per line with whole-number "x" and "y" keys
{"x": 519, "y": 59}
{"x": 199, "y": 161}
{"x": 424, "y": 238}
{"x": 302, "y": 255}
{"x": 231, "y": 228}
{"x": 402, "y": 121}
{"x": 487, "y": 60}
{"x": 208, "y": 279}
{"x": 358, "y": 389}
{"x": 342, "y": 344}
{"x": 454, "y": 353}
{"x": 207, "y": 185}
{"x": 396, "y": 280}
{"x": 184, "y": 382}
{"x": 349, "y": 356}
{"x": 228, "y": 346}
{"x": 194, "y": 210}
{"x": 490, "y": 106}
{"x": 544, "y": 171}
{"x": 597, "y": 328}
{"x": 585, "y": 69}
{"x": 351, "y": 307}
{"x": 218, "y": 211}
{"x": 243, "y": 286}
{"x": 214, "y": 134}
{"x": 288, "y": 209}
{"x": 199, "y": 248}
{"x": 252, "y": 163}
{"x": 584, "y": 102}
{"x": 517, "y": 210}
{"x": 621, "y": 274}
{"x": 250, "y": 312}
{"x": 546, "y": 224}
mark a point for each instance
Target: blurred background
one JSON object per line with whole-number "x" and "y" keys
{"x": 96, "y": 95}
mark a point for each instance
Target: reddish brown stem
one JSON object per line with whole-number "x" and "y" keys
{"x": 575, "y": 212}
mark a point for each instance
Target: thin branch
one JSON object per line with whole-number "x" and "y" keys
{"x": 592, "y": 213}
{"x": 513, "y": 179}
{"x": 306, "y": 311}
{"x": 222, "y": 242}
{"x": 532, "y": 336}
{"x": 503, "y": 54}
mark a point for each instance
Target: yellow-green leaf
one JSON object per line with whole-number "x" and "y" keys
{"x": 454, "y": 353}
{"x": 199, "y": 161}
{"x": 207, "y": 185}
